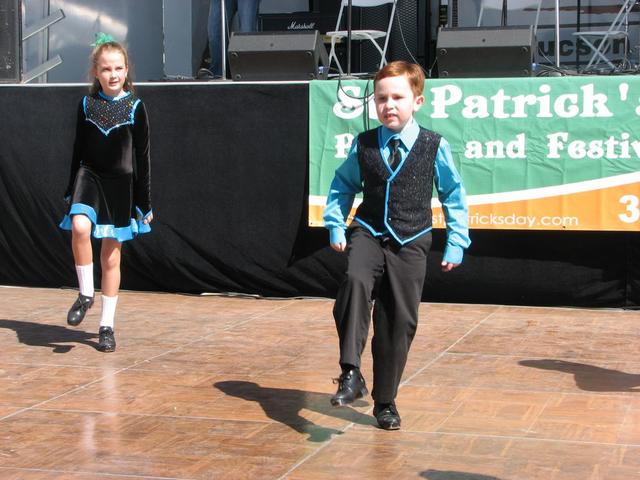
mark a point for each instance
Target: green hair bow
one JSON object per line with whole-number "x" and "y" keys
{"x": 101, "y": 38}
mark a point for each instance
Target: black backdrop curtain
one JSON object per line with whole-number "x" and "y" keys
{"x": 229, "y": 189}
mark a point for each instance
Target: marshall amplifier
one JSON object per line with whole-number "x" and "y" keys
{"x": 323, "y": 22}
{"x": 265, "y": 56}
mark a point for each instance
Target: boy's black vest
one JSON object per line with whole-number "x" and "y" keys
{"x": 408, "y": 205}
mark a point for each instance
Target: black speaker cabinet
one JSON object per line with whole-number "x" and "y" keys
{"x": 258, "y": 56}
{"x": 485, "y": 52}
{"x": 10, "y": 41}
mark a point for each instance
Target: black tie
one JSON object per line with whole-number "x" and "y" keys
{"x": 394, "y": 156}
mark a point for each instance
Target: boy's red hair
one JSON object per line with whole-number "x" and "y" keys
{"x": 414, "y": 74}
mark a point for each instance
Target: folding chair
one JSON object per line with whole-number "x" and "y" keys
{"x": 617, "y": 30}
{"x": 489, "y": 4}
{"x": 360, "y": 35}
{"x": 512, "y": 4}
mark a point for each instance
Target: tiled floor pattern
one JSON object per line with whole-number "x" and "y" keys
{"x": 238, "y": 388}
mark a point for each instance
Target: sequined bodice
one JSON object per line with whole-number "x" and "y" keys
{"x": 107, "y": 114}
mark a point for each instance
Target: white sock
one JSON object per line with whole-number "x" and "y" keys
{"x": 108, "y": 315}
{"x": 85, "y": 279}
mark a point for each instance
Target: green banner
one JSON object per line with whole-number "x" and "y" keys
{"x": 541, "y": 153}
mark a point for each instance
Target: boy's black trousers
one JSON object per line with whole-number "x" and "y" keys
{"x": 390, "y": 276}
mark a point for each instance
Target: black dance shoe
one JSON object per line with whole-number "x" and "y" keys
{"x": 107, "y": 342}
{"x": 387, "y": 416}
{"x": 79, "y": 309}
{"x": 351, "y": 387}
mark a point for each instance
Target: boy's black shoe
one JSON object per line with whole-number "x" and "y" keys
{"x": 387, "y": 416}
{"x": 351, "y": 387}
{"x": 107, "y": 342}
{"x": 79, "y": 309}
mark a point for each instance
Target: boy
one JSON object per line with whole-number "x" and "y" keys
{"x": 395, "y": 166}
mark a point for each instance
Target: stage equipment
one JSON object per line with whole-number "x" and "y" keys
{"x": 410, "y": 32}
{"x": 263, "y": 56}
{"x": 492, "y": 4}
{"x": 270, "y": 22}
{"x": 223, "y": 42}
{"x": 485, "y": 52}
{"x": 619, "y": 29}
{"x": 10, "y": 41}
{"x": 443, "y": 13}
{"x": 349, "y": 34}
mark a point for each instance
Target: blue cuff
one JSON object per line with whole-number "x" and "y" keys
{"x": 453, "y": 254}
{"x": 143, "y": 216}
{"x": 336, "y": 235}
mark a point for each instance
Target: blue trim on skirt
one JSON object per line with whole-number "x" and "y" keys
{"x": 121, "y": 234}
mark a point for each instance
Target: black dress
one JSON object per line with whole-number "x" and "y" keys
{"x": 110, "y": 170}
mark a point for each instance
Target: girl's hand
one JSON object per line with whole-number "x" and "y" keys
{"x": 147, "y": 220}
{"x": 339, "y": 247}
{"x": 448, "y": 266}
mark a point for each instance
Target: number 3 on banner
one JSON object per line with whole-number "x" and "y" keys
{"x": 633, "y": 212}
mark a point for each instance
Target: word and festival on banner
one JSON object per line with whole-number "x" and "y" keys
{"x": 558, "y": 153}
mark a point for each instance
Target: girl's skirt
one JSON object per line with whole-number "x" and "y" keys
{"x": 108, "y": 203}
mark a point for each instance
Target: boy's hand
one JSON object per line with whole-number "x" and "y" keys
{"x": 448, "y": 266}
{"x": 339, "y": 247}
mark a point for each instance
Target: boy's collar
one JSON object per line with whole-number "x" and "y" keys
{"x": 407, "y": 135}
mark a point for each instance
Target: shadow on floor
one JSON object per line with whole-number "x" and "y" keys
{"x": 589, "y": 377}
{"x": 284, "y": 405}
{"x": 451, "y": 475}
{"x": 51, "y": 336}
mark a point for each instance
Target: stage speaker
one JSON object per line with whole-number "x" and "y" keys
{"x": 485, "y": 52}
{"x": 295, "y": 55}
{"x": 409, "y": 33}
{"x": 10, "y": 41}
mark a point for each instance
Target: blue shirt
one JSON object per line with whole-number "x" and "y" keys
{"x": 347, "y": 183}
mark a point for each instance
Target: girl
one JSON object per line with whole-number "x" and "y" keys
{"x": 109, "y": 186}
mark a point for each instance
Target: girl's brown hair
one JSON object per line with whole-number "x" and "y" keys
{"x": 414, "y": 74}
{"x": 95, "y": 55}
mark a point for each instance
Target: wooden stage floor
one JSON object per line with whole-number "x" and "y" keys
{"x": 226, "y": 388}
